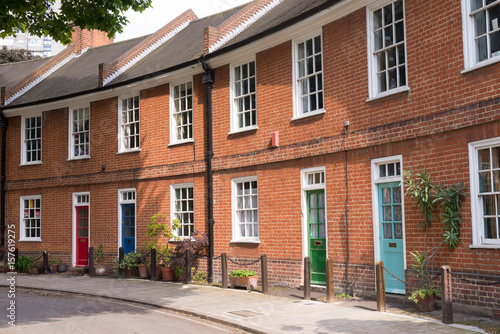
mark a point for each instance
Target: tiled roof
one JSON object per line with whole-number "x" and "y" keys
{"x": 81, "y": 74}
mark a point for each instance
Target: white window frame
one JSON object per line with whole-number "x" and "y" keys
{"x": 71, "y": 144}
{"x": 120, "y": 213}
{"x": 376, "y": 180}
{"x": 237, "y": 238}
{"x": 22, "y": 229}
{"x": 477, "y": 222}
{"x": 297, "y": 102}
{"x": 372, "y": 58}
{"x": 470, "y": 62}
{"x": 173, "y": 198}
{"x": 305, "y": 187}
{"x": 234, "y": 99}
{"x": 121, "y": 130}
{"x": 25, "y": 161}
{"x": 174, "y": 112}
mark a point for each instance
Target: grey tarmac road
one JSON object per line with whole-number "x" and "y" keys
{"x": 40, "y": 313}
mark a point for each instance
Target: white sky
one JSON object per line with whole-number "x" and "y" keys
{"x": 164, "y": 11}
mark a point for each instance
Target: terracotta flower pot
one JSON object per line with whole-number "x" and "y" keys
{"x": 428, "y": 304}
{"x": 167, "y": 274}
{"x": 33, "y": 271}
{"x": 143, "y": 271}
{"x": 53, "y": 268}
{"x": 129, "y": 272}
{"x": 250, "y": 283}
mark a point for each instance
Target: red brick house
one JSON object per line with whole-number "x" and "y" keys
{"x": 280, "y": 127}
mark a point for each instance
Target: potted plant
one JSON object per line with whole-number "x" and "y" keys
{"x": 129, "y": 263}
{"x": 197, "y": 243}
{"x": 25, "y": 264}
{"x": 243, "y": 278}
{"x": 53, "y": 266}
{"x": 428, "y": 195}
{"x": 99, "y": 258}
{"x": 143, "y": 265}
{"x": 164, "y": 232}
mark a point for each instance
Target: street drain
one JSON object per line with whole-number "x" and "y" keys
{"x": 246, "y": 313}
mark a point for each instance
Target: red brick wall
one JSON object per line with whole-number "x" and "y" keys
{"x": 430, "y": 126}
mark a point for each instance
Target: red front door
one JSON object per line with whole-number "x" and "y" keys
{"x": 82, "y": 235}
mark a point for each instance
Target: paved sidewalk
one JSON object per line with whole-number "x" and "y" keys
{"x": 251, "y": 311}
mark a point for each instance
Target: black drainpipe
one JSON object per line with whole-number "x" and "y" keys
{"x": 4, "y": 123}
{"x": 208, "y": 79}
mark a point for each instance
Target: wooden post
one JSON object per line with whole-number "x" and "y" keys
{"x": 46, "y": 262}
{"x": 153, "y": 264}
{"x": 223, "y": 261}
{"x": 307, "y": 278}
{"x": 16, "y": 257}
{"x": 446, "y": 296}
{"x": 188, "y": 266}
{"x": 121, "y": 254}
{"x": 380, "y": 277}
{"x": 91, "y": 261}
{"x": 330, "y": 296}
{"x": 263, "y": 260}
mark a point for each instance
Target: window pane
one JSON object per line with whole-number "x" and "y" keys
{"x": 484, "y": 182}
{"x": 398, "y": 231}
{"x": 396, "y": 193}
{"x": 387, "y": 231}
{"x": 387, "y": 213}
{"x": 386, "y": 195}
{"x": 397, "y": 213}
{"x": 490, "y": 228}
{"x": 480, "y": 23}
{"x": 484, "y": 159}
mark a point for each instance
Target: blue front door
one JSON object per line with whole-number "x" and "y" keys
{"x": 128, "y": 227}
{"x": 391, "y": 235}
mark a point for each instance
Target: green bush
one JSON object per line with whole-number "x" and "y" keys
{"x": 242, "y": 273}
{"x": 25, "y": 262}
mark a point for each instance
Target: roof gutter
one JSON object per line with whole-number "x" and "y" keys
{"x": 214, "y": 54}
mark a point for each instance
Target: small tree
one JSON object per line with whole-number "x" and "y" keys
{"x": 428, "y": 196}
{"x": 158, "y": 230}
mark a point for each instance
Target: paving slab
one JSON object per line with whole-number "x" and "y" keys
{"x": 252, "y": 311}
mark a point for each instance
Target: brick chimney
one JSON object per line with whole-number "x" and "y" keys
{"x": 83, "y": 39}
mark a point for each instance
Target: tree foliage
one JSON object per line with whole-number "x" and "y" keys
{"x": 15, "y": 55}
{"x": 40, "y": 17}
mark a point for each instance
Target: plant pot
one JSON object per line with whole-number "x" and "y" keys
{"x": 428, "y": 304}
{"x": 100, "y": 271}
{"x": 250, "y": 282}
{"x": 167, "y": 273}
{"x": 143, "y": 271}
{"x": 129, "y": 272}
{"x": 53, "y": 268}
{"x": 62, "y": 268}
{"x": 33, "y": 271}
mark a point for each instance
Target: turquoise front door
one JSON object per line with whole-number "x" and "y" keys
{"x": 391, "y": 235}
{"x": 316, "y": 235}
{"x": 128, "y": 227}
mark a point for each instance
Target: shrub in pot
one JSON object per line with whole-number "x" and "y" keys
{"x": 243, "y": 278}
{"x": 24, "y": 263}
{"x": 130, "y": 262}
{"x": 98, "y": 259}
{"x": 163, "y": 232}
{"x": 197, "y": 243}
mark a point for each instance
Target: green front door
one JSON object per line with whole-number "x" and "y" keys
{"x": 391, "y": 235}
{"x": 316, "y": 234}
